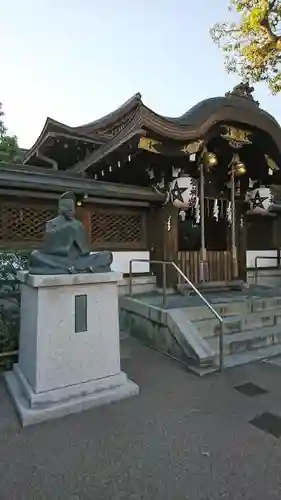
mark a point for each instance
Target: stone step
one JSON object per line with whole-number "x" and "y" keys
{"x": 214, "y": 286}
{"x": 224, "y": 309}
{"x": 202, "y": 371}
{"x": 238, "y": 323}
{"x": 125, "y": 351}
{"x": 123, "y": 334}
{"x": 231, "y": 308}
{"x": 248, "y": 340}
{"x": 244, "y": 358}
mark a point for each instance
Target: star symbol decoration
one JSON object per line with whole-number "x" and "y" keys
{"x": 176, "y": 192}
{"x": 258, "y": 200}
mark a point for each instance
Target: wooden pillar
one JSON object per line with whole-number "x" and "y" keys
{"x": 163, "y": 241}
{"x": 277, "y": 231}
{"x": 277, "y": 237}
{"x": 203, "y": 265}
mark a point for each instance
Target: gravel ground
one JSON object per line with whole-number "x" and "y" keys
{"x": 182, "y": 438}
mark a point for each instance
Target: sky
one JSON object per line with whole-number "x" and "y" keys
{"x": 77, "y": 60}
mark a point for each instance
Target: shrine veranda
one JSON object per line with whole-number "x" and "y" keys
{"x": 202, "y": 190}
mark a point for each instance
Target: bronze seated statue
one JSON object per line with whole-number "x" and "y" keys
{"x": 65, "y": 248}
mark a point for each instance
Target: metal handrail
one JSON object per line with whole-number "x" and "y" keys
{"x": 265, "y": 257}
{"x": 8, "y": 354}
{"x": 166, "y": 263}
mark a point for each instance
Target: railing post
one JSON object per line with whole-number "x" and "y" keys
{"x": 221, "y": 353}
{"x": 203, "y": 265}
{"x": 130, "y": 277}
{"x": 164, "y": 284}
{"x": 233, "y": 227}
{"x": 256, "y": 270}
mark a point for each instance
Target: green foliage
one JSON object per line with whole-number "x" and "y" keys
{"x": 9, "y": 149}
{"x": 252, "y": 44}
{"x": 10, "y": 263}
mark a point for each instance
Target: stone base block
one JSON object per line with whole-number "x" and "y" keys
{"x": 34, "y": 408}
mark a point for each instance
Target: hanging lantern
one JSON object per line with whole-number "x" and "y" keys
{"x": 237, "y": 166}
{"x": 210, "y": 160}
{"x": 240, "y": 169}
{"x": 260, "y": 200}
{"x": 183, "y": 192}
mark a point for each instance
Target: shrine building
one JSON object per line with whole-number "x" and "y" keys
{"x": 201, "y": 190}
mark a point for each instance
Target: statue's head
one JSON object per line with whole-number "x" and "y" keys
{"x": 67, "y": 203}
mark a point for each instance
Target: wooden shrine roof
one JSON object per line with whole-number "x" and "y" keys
{"x": 133, "y": 117}
{"x": 53, "y": 128}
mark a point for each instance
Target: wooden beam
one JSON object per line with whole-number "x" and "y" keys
{"x": 54, "y": 196}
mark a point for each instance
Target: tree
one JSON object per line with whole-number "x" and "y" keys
{"x": 252, "y": 44}
{"x": 9, "y": 149}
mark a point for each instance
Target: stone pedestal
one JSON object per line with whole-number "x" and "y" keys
{"x": 69, "y": 354}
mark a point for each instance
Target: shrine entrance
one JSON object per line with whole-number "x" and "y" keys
{"x": 211, "y": 231}
{"x": 217, "y": 241}
{"x": 227, "y": 179}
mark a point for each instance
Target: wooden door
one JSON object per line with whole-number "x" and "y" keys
{"x": 219, "y": 265}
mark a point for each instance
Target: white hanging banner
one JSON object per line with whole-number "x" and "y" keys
{"x": 216, "y": 210}
{"x": 197, "y": 211}
{"x": 229, "y": 213}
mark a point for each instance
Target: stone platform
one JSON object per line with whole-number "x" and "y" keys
{"x": 69, "y": 355}
{"x": 34, "y": 408}
{"x": 187, "y": 329}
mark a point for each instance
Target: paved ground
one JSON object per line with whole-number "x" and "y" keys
{"x": 182, "y": 438}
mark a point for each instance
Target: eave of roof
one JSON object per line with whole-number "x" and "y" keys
{"x": 131, "y": 130}
{"x": 40, "y": 179}
{"x": 53, "y": 128}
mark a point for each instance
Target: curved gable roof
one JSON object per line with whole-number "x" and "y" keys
{"x": 202, "y": 110}
{"x": 192, "y": 125}
{"x": 110, "y": 119}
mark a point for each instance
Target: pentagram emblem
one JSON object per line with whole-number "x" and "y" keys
{"x": 176, "y": 192}
{"x": 258, "y": 200}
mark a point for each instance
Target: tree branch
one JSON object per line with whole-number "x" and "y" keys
{"x": 272, "y": 5}
{"x": 264, "y": 24}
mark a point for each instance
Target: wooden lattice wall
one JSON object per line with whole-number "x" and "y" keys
{"x": 22, "y": 225}
{"x": 119, "y": 228}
